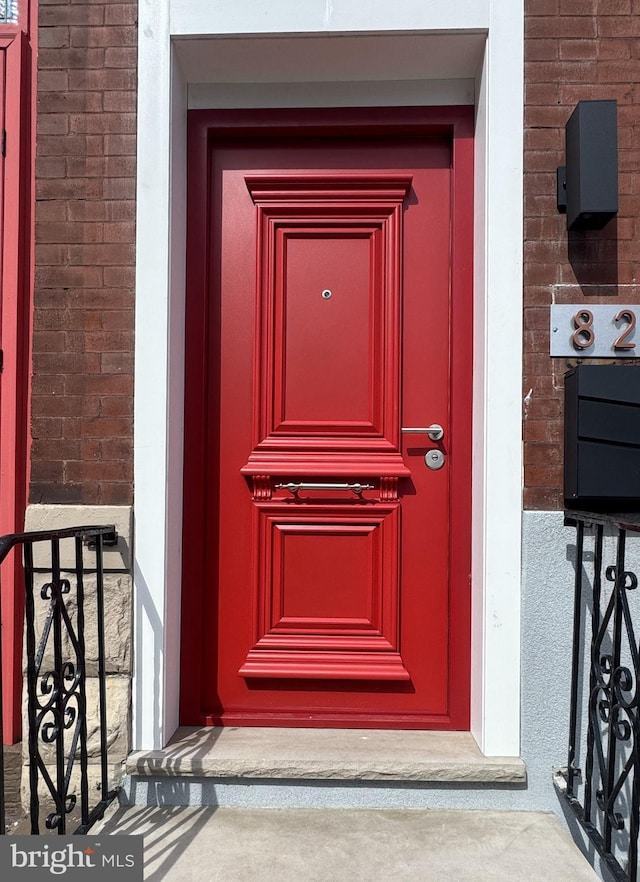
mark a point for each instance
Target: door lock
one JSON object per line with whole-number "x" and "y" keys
{"x": 434, "y": 460}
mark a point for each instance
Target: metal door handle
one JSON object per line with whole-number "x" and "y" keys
{"x": 435, "y": 432}
{"x": 295, "y": 487}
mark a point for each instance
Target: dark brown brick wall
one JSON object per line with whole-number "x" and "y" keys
{"x": 574, "y": 50}
{"x": 82, "y": 389}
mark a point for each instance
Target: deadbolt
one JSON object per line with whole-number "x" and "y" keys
{"x": 434, "y": 460}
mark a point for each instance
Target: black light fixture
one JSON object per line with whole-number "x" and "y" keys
{"x": 588, "y": 183}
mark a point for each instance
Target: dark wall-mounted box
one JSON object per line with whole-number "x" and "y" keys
{"x": 602, "y": 438}
{"x": 592, "y": 165}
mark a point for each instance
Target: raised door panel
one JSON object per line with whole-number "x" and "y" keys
{"x": 327, "y": 593}
{"x": 327, "y": 354}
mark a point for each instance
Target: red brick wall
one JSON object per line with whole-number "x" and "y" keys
{"x": 82, "y": 391}
{"x": 574, "y": 50}
{"x": 83, "y": 321}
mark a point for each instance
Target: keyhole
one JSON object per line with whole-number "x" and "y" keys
{"x": 326, "y": 294}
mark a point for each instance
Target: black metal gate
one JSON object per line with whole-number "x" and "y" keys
{"x": 603, "y": 768}
{"x": 56, "y": 593}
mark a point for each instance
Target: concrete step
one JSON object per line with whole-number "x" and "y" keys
{"x": 335, "y": 768}
{"x": 326, "y": 754}
{"x": 188, "y": 844}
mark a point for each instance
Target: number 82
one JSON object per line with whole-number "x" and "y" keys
{"x": 584, "y": 335}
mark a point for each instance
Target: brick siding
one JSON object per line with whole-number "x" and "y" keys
{"x": 574, "y": 50}
{"x": 82, "y": 394}
{"x": 82, "y": 388}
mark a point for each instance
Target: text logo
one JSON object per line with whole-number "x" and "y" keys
{"x": 90, "y": 858}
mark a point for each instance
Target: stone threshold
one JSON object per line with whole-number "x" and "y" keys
{"x": 326, "y": 754}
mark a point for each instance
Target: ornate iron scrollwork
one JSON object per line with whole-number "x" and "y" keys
{"x": 56, "y": 680}
{"x": 604, "y": 732}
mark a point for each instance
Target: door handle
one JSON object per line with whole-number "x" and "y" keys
{"x": 295, "y": 486}
{"x": 435, "y": 432}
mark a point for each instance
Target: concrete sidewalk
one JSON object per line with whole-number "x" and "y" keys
{"x": 185, "y": 844}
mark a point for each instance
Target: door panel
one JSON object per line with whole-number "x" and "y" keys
{"x": 327, "y": 597}
{"x": 327, "y": 350}
{"x": 311, "y": 263}
{"x": 327, "y": 594}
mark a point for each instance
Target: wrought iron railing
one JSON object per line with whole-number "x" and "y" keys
{"x": 56, "y": 573}
{"x": 603, "y": 767}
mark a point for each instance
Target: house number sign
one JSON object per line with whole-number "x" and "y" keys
{"x": 595, "y": 331}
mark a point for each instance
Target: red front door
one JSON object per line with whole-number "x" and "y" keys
{"x": 328, "y": 591}
{"x": 17, "y": 97}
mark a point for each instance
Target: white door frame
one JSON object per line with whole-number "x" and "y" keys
{"x": 182, "y": 44}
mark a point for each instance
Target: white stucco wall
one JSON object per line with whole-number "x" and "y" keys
{"x": 202, "y": 53}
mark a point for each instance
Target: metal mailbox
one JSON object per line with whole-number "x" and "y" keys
{"x": 602, "y": 438}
